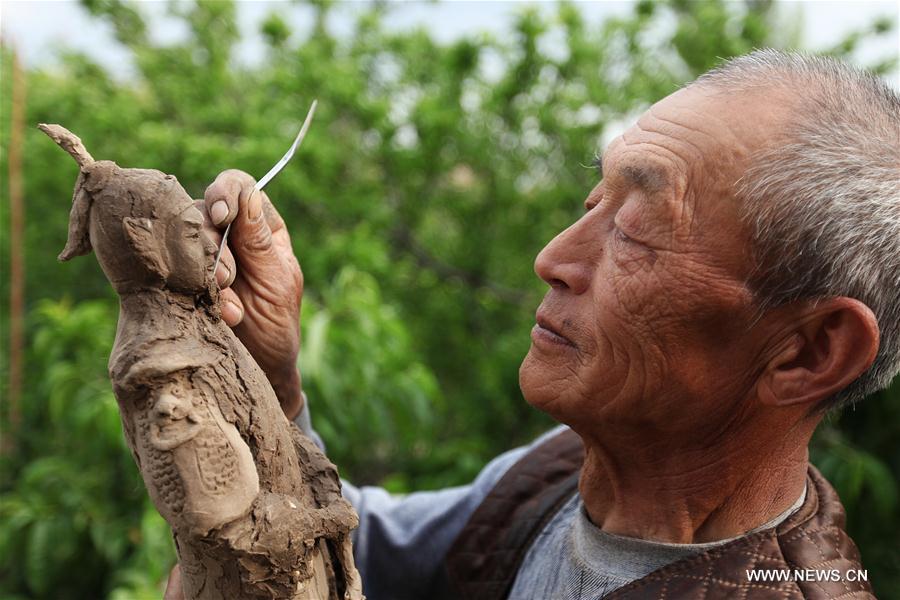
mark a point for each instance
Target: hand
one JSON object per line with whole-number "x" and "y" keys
{"x": 260, "y": 279}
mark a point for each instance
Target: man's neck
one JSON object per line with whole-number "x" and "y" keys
{"x": 692, "y": 494}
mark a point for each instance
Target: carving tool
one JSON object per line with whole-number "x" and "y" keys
{"x": 271, "y": 174}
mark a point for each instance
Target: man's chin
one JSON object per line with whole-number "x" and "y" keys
{"x": 540, "y": 384}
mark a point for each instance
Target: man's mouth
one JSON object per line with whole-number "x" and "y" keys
{"x": 546, "y": 331}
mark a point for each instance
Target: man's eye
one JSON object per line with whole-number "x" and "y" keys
{"x": 621, "y": 236}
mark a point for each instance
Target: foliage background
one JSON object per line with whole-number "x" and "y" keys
{"x": 432, "y": 176}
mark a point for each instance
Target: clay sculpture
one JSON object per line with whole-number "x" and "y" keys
{"x": 255, "y": 507}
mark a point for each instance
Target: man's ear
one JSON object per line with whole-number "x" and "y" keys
{"x": 139, "y": 233}
{"x": 830, "y": 345}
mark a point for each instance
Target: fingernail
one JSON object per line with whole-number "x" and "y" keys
{"x": 222, "y": 274}
{"x": 218, "y": 212}
{"x": 254, "y": 208}
{"x": 231, "y": 313}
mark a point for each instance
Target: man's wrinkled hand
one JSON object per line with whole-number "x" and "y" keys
{"x": 260, "y": 279}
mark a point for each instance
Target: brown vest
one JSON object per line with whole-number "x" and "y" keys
{"x": 483, "y": 561}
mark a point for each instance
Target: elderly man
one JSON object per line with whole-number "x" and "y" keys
{"x": 735, "y": 275}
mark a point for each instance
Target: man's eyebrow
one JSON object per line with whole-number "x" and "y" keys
{"x": 649, "y": 178}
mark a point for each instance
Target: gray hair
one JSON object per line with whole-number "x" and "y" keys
{"x": 824, "y": 207}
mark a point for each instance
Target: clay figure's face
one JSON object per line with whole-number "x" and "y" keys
{"x": 189, "y": 252}
{"x": 174, "y": 420}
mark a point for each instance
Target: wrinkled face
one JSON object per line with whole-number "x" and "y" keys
{"x": 190, "y": 253}
{"x": 647, "y": 319}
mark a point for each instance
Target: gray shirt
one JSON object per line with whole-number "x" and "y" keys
{"x": 574, "y": 559}
{"x": 401, "y": 541}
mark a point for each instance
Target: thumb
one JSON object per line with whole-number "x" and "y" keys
{"x": 232, "y": 198}
{"x": 250, "y": 231}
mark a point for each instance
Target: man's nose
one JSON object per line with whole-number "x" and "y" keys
{"x": 566, "y": 263}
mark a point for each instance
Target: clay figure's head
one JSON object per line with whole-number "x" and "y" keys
{"x": 173, "y": 418}
{"x": 142, "y": 225}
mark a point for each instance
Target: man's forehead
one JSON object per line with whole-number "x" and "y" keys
{"x": 693, "y": 133}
